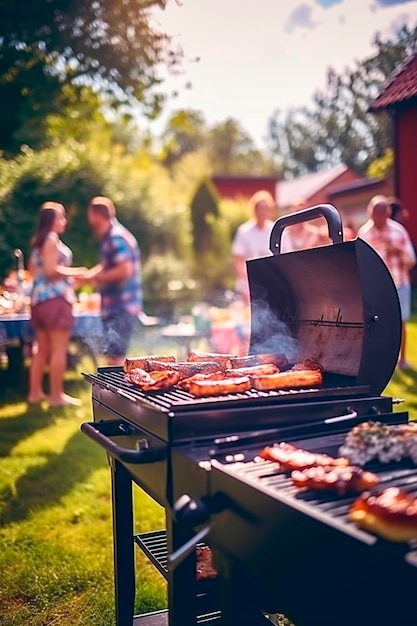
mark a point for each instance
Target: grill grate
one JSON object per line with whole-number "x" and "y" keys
{"x": 330, "y": 508}
{"x": 178, "y": 399}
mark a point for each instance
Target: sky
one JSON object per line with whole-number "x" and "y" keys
{"x": 256, "y": 56}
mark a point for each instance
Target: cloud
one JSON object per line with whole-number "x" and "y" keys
{"x": 328, "y": 3}
{"x": 389, "y": 3}
{"x": 300, "y": 17}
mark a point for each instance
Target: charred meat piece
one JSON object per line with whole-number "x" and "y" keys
{"x": 340, "y": 480}
{"x": 185, "y": 369}
{"x": 152, "y": 381}
{"x": 391, "y": 514}
{"x": 186, "y": 382}
{"x": 204, "y": 388}
{"x": 223, "y": 360}
{"x": 253, "y": 370}
{"x": 287, "y": 380}
{"x": 140, "y": 362}
{"x": 292, "y": 458}
{"x": 280, "y": 360}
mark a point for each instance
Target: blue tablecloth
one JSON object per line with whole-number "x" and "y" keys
{"x": 18, "y": 328}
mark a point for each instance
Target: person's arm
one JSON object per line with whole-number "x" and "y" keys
{"x": 239, "y": 266}
{"x": 52, "y": 269}
{"x": 120, "y": 272}
{"x": 403, "y": 248}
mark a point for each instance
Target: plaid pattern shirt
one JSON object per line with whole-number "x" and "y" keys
{"x": 120, "y": 245}
{"x": 394, "y": 246}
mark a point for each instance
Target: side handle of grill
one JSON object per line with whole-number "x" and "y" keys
{"x": 328, "y": 211}
{"x": 190, "y": 512}
{"x": 100, "y": 432}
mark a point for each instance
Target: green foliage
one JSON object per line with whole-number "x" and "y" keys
{"x": 169, "y": 289}
{"x": 145, "y": 196}
{"x": 211, "y": 241}
{"x": 54, "y": 489}
{"x": 49, "y": 43}
{"x": 63, "y": 174}
{"x": 204, "y": 210}
{"x": 381, "y": 167}
{"x": 339, "y": 127}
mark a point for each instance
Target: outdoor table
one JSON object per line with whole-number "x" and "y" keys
{"x": 16, "y": 332}
{"x": 184, "y": 334}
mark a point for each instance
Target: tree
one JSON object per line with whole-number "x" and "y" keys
{"x": 231, "y": 150}
{"x": 184, "y": 133}
{"x": 210, "y": 241}
{"x": 338, "y": 128}
{"x": 45, "y": 44}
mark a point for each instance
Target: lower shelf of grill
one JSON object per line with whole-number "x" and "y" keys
{"x": 154, "y": 545}
{"x": 160, "y": 618}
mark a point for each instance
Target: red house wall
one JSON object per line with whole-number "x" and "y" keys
{"x": 322, "y": 196}
{"x": 235, "y": 187}
{"x": 405, "y": 124}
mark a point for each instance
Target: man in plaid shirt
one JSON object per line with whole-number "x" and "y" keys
{"x": 392, "y": 242}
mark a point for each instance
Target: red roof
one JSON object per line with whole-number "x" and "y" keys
{"x": 401, "y": 86}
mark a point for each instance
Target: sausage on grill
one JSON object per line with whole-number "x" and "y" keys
{"x": 140, "y": 362}
{"x": 186, "y": 382}
{"x": 253, "y": 370}
{"x": 280, "y": 360}
{"x": 223, "y": 360}
{"x": 152, "y": 381}
{"x": 287, "y": 380}
{"x": 204, "y": 388}
{"x": 184, "y": 368}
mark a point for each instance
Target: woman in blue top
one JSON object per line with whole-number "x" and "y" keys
{"x": 52, "y": 299}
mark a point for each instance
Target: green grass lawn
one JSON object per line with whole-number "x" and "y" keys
{"x": 55, "y": 513}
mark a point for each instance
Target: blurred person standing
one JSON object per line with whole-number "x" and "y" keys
{"x": 52, "y": 299}
{"x": 303, "y": 235}
{"x": 398, "y": 211}
{"x": 117, "y": 277}
{"x": 390, "y": 239}
{"x": 251, "y": 240}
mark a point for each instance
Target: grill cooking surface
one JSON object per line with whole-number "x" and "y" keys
{"x": 323, "y": 506}
{"x": 180, "y": 400}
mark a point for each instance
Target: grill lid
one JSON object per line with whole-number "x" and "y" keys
{"x": 335, "y": 303}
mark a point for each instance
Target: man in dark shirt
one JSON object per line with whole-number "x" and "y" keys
{"x": 118, "y": 278}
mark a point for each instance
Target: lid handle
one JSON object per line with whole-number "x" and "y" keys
{"x": 328, "y": 211}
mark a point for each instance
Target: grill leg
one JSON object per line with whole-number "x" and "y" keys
{"x": 123, "y": 547}
{"x": 238, "y": 598}
{"x": 181, "y": 581}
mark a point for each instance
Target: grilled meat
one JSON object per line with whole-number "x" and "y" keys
{"x": 391, "y": 514}
{"x": 341, "y": 480}
{"x": 287, "y": 380}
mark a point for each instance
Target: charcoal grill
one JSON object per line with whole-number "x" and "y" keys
{"x": 336, "y": 304}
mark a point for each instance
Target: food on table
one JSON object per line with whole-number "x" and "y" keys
{"x": 373, "y": 440}
{"x": 253, "y": 370}
{"x": 223, "y": 360}
{"x": 204, "y": 388}
{"x": 152, "y": 381}
{"x": 391, "y": 514}
{"x": 279, "y": 360}
{"x": 140, "y": 362}
{"x": 341, "y": 480}
{"x": 292, "y": 458}
{"x": 287, "y": 380}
